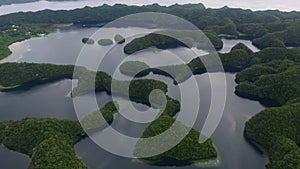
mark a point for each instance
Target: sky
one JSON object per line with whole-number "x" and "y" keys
{"x": 284, "y": 5}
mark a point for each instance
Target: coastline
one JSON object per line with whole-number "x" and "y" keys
{"x": 17, "y": 49}
{"x": 204, "y": 163}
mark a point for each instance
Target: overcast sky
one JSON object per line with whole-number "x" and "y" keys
{"x": 285, "y": 5}
{"x": 288, "y": 5}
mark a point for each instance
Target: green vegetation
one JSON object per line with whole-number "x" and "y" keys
{"x": 241, "y": 46}
{"x": 16, "y": 33}
{"x": 187, "y": 151}
{"x": 237, "y": 59}
{"x": 229, "y": 29}
{"x": 279, "y": 88}
{"x": 172, "y": 107}
{"x": 159, "y": 41}
{"x": 139, "y": 90}
{"x": 265, "y": 28}
{"x": 228, "y": 20}
{"x": 214, "y": 39}
{"x": 270, "y": 54}
{"x": 276, "y": 130}
{"x": 26, "y": 75}
{"x": 274, "y": 27}
{"x": 119, "y": 39}
{"x": 14, "y": 75}
{"x": 49, "y": 142}
{"x": 273, "y": 79}
{"x": 179, "y": 73}
{"x": 288, "y": 37}
{"x": 101, "y": 117}
{"x": 105, "y": 42}
{"x": 88, "y": 41}
{"x": 172, "y": 39}
{"x": 272, "y": 74}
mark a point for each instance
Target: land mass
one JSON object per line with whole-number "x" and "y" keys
{"x": 49, "y": 142}
{"x": 237, "y": 59}
{"x": 100, "y": 118}
{"x": 270, "y": 28}
{"x": 276, "y": 131}
{"x": 270, "y": 76}
{"x": 273, "y": 79}
{"x": 18, "y": 74}
{"x": 188, "y": 151}
{"x": 173, "y": 39}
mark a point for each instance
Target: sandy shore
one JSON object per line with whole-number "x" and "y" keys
{"x": 18, "y": 49}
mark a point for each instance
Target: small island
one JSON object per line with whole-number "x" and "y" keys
{"x": 134, "y": 68}
{"x": 119, "y": 39}
{"x": 105, "y": 42}
{"x": 173, "y": 39}
{"x": 188, "y": 151}
{"x": 159, "y": 41}
{"x": 87, "y": 41}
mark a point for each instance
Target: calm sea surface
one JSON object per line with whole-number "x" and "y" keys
{"x": 51, "y": 100}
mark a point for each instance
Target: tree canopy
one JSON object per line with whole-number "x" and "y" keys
{"x": 49, "y": 142}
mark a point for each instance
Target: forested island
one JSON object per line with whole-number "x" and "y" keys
{"x": 105, "y": 42}
{"x": 188, "y": 151}
{"x": 173, "y": 39}
{"x": 88, "y": 41}
{"x": 119, "y": 39}
{"x": 49, "y": 142}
